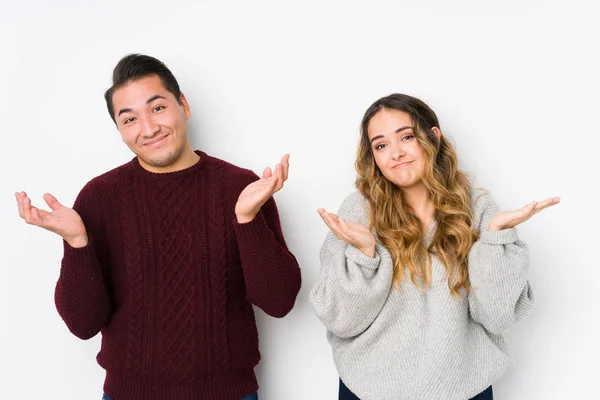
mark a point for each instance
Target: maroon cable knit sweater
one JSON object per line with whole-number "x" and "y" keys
{"x": 169, "y": 277}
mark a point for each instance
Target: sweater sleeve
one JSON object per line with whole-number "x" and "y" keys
{"x": 81, "y": 296}
{"x": 352, "y": 287}
{"x": 271, "y": 272}
{"x": 500, "y": 295}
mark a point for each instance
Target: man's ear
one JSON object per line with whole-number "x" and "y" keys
{"x": 186, "y": 106}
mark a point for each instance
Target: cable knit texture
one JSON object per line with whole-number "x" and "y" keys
{"x": 407, "y": 344}
{"x": 169, "y": 278}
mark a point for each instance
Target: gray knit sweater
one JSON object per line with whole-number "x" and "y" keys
{"x": 391, "y": 344}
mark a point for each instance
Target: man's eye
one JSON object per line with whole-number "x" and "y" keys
{"x": 128, "y": 120}
{"x": 158, "y": 108}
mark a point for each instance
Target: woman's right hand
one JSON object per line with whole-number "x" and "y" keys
{"x": 350, "y": 232}
{"x": 62, "y": 220}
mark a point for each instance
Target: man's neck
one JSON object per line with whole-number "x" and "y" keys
{"x": 186, "y": 160}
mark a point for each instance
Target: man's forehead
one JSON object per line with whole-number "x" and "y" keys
{"x": 147, "y": 83}
{"x": 140, "y": 92}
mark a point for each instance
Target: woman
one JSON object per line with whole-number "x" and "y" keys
{"x": 420, "y": 273}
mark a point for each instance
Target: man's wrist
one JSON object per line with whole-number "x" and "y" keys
{"x": 78, "y": 242}
{"x": 244, "y": 218}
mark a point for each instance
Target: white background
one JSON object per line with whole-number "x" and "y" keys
{"x": 515, "y": 85}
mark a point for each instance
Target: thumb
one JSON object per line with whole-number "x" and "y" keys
{"x": 52, "y": 202}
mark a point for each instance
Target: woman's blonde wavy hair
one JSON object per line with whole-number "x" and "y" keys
{"x": 394, "y": 221}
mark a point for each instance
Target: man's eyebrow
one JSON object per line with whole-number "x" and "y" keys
{"x": 124, "y": 110}
{"x": 150, "y": 100}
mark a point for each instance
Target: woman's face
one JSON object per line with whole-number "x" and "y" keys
{"x": 397, "y": 151}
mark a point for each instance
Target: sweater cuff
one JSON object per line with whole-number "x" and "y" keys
{"x": 81, "y": 256}
{"x": 254, "y": 231}
{"x": 361, "y": 259}
{"x": 505, "y": 236}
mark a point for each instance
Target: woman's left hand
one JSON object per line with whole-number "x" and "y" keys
{"x": 510, "y": 219}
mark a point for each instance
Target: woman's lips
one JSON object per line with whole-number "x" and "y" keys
{"x": 404, "y": 164}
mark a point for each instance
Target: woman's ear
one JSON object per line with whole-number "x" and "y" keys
{"x": 436, "y": 131}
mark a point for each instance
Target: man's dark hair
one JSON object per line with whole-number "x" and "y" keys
{"x": 136, "y": 66}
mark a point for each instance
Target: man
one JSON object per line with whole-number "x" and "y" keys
{"x": 166, "y": 254}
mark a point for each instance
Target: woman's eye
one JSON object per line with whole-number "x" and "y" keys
{"x": 408, "y": 137}
{"x": 380, "y": 146}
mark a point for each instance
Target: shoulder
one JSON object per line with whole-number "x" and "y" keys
{"x": 231, "y": 178}
{"x": 105, "y": 183}
{"x": 230, "y": 170}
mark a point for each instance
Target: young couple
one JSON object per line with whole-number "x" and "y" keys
{"x": 166, "y": 254}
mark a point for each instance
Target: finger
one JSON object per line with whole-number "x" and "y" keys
{"x": 344, "y": 231}
{"x": 261, "y": 187}
{"x": 285, "y": 163}
{"x": 279, "y": 175}
{"x": 327, "y": 217}
{"x": 337, "y": 229}
{"x": 52, "y": 202}
{"x": 334, "y": 217}
{"x": 43, "y": 214}
{"x": 41, "y": 218}
{"x": 272, "y": 182}
{"x": 35, "y": 217}
{"x": 344, "y": 227}
{"x": 19, "y": 198}
{"x": 331, "y": 222}
{"x": 323, "y": 216}
{"x": 322, "y": 212}
{"x": 548, "y": 202}
{"x": 348, "y": 233}
{"x": 27, "y": 210}
{"x": 22, "y": 197}
{"x": 267, "y": 173}
{"x": 545, "y": 204}
{"x": 265, "y": 187}
{"x": 334, "y": 223}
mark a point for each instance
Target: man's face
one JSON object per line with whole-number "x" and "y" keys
{"x": 152, "y": 123}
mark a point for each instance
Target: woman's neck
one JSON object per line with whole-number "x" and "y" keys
{"x": 418, "y": 199}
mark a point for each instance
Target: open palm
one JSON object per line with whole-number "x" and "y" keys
{"x": 63, "y": 221}
{"x": 350, "y": 232}
{"x": 258, "y": 192}
{"x": 510, "y": 219}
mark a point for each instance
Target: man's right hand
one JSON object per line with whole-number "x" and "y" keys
{"x": 62, "y": 220}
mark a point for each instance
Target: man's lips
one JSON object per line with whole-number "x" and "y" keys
{"x": 156, "y": 141}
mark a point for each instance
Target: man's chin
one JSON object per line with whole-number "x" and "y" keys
{"x": 160, "y": 160}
